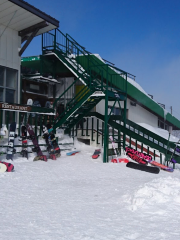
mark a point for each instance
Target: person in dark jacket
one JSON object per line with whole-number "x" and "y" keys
{"x": 80, "y": 123}
{"x": 48, "y": 104}
{"x": 60, "y": 109}
{"x": 36, "y": 103}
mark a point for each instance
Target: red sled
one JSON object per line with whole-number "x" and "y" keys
{"x": 96, "y": 153}
{"x": 10, "y": 167}
{"x": 119, "y": 160}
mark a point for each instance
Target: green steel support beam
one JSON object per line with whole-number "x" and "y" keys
{"x": 125, "y": 106}
{"x": 106, "y": 139}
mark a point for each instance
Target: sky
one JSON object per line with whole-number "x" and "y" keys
{"x": 140, "y": 37}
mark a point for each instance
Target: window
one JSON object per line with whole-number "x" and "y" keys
{"x": 117, "y": 111}
{"x": 8, "y": 90}
{"x": 163, "y": 125}
{"x": 2, "y": 76}
{"x": 10, "y": 96}
{"x": 50, "y": 91}
{"x": 11, "y": 76}
{"x": 114, "y": 111}
{"x": 1, "y": 94}
{"x": 34, "y": 87}
{"x": 37, "y": 88}
{"x": 8, "y": 84}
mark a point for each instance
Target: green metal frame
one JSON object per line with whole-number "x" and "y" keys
{"x": 152, "y": 140}
{"x": 95, "y": 78}
{"x": 142, "y": 135}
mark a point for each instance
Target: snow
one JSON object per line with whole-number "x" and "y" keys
{"x": 159, "y": 131}
{"x": 3, "y": 130}
{"x": 99, "y": 57}
{"x": 136, "y": 85}
{"x": 79, "y": 198}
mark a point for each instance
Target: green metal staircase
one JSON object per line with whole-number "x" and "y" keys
{"x": 100, "y": 81}
{"x": 65, "y": 49}
{"x": 76, "y": 108}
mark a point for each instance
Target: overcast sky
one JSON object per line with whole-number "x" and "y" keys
{"x": 139, "y": 36}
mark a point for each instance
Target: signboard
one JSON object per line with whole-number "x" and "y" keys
{"x": 12, "y": 107}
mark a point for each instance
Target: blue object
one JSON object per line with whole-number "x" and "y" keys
{"x": 71, "y": 153}
{"x": 173, "y": 160}
{"x": 177, "y": 150}
{"x": 50, "y": 130}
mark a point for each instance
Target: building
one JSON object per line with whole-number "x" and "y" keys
{"x": 79, "y": 84}
{"x": 20, "y": 22}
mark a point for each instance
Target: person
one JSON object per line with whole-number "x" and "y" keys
{"x": 53, "y": 144}
{"x": 51, "y": 105}
{"x": 47, "y": 104}
{"x": 36, "y": 103}
{"x": 80, "y": 123}
{"x": 60, "y": 109}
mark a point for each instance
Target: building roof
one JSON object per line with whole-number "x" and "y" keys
{"x": 24, "y": 18}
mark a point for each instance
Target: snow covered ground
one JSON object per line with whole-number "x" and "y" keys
{"x": 78, "y": 198}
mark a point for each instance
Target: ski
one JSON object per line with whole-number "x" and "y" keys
{"x": 10, "y": 149}
{"x": 72, "y": 153}
{"x": 133, "y": 154}
{"x": 147, "y": 158}
{"x": 113, "y": 145}
{"x": 24, "y": 151}
{"x": 145, "y": 168}
{"x": 176, "y": 149}
{"x": 163, "y": 167}
{"x": 36, "y": 148}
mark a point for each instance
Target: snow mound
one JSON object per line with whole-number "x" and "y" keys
{"x": 162, "y": 191}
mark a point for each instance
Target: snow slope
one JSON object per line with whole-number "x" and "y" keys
{"x": 78, "y": 198}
